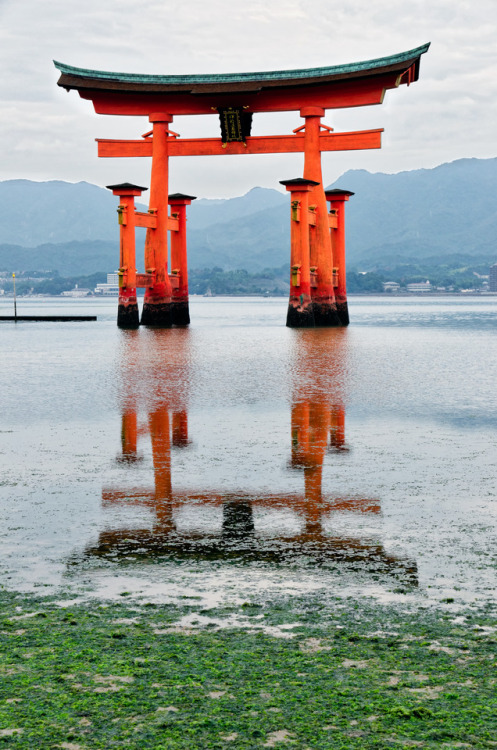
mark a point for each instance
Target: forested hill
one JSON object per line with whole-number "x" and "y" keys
{"x": 428, "y": 213}
{"x": 448, "y": 210}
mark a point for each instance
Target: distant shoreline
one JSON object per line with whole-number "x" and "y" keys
{"x": 404, "y": 295}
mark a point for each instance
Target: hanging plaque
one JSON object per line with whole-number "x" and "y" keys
{"x": 236, "y": 124}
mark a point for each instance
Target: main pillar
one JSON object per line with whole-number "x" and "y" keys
{"x": 160, "y": 436}
{"x": 300, "y": 311}
{"x": 323, "y": 297}
{"x": 310, "y": 424}
{"x": 179, "y": 261}
{"x": 337, "y": 200}
{"x": 127, "y": 311}
{"x": 157, "y": 304}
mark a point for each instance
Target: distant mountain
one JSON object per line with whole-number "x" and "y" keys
{"x": 392, "y": 218}
{"x": 426, "y": 212}
{"x": 251, "y": 232}
{"x": 255, "y": 241}
{"x": 205, "y": 212}
{"x": 68, "y": 258}
{"x": 34, "y": 213}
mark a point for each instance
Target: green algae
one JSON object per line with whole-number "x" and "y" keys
{"x": 361, "y": 675}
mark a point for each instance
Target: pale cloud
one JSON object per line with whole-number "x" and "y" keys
{"x": 451, "y": 112}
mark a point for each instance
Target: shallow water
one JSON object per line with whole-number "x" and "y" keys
{"x": 239, "y": 459}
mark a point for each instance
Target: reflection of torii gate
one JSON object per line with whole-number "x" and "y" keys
{"x": 317, "y": 291}
{"x": 155, "y": 379}
{"x": 316, "y": 428}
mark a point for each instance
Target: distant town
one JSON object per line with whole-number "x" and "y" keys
{"x": 271, "y": 282}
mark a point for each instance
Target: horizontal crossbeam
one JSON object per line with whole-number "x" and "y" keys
{"x": 178, "y": 498}
{"x": 265, "y": 144}
{"x": 145, "y": 280}
{"x": 145, "y": 220}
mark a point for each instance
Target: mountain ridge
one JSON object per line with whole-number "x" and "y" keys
{"x": 420, "y": 213}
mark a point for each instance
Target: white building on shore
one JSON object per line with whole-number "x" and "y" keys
{"x": 421, "y": 286}
{"x": 391, "y": 286}
{"x": 78, "y": 291}
{"x": 111, "y": 288}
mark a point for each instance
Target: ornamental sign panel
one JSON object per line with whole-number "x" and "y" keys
{"x": 236, "y": 124}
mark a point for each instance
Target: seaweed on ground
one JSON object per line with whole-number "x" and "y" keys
{"x": 124, "y": 675}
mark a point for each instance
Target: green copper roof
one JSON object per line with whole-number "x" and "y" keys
{"x": 280, "y": 75}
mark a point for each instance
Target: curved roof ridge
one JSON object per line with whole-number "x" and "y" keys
{"x": 241, "y": 77}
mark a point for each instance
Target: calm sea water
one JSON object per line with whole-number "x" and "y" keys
{"x": 240, "y": 458}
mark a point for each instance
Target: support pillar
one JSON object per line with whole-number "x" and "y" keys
{"x": 300, "y": 311}
{"x": 321, "y": 259}
{"x": 337, "y": 200}
{"x": 157, "y": 304}
{"x": 337, "y": 429}
{"x": 129, "y": 437}
{"x": 179, "y": 262}
{"x": 180, "y": 429}
{"x": 127, "y": 311}
{"x": 300, "y": 433}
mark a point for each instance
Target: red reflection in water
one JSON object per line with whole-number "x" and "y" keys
{"x": 155, "y": 378}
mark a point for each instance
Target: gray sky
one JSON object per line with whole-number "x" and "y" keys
{"x": 46, "y": 133}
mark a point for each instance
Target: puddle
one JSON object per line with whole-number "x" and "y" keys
{"x": 245, "y": 462}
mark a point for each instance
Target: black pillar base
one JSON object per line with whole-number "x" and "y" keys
{"x": 343, "y": 313}
{"x": 300, "y": 318}
{"x": 127, "y": 316}
{"x": 326, "y": 315}
{"x": 157, "y": 314}
{"x": 181, "y": 313}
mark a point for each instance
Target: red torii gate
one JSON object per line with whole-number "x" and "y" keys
{"x": 317, "y": 281}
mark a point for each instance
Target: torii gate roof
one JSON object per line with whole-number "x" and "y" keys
{"x": 349, "y": 85}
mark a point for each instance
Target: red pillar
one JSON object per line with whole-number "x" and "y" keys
{"x": 310, "y": 425}
{"x": 127, "y": 311}
{"x": 129, "y": 436}
{"x": 337, "y": 428}
{"x": 160, "y": 436}
{"x": 179, "y": 261}
{"x": 300, "y": 433}
{"x": 337, "y": 200}
{"x": 300, "y": 314}
{"x": 157, "y": 302}
{"x": 323, "y": 297}
{"x": 180, "y": 428}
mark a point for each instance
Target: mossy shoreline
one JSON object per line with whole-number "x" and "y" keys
{"x": 360, "y": 675}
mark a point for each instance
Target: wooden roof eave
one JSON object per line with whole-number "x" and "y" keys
{"x": 198, "y": 88}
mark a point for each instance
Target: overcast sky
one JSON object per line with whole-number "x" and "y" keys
{"x": 47, "y": 133}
